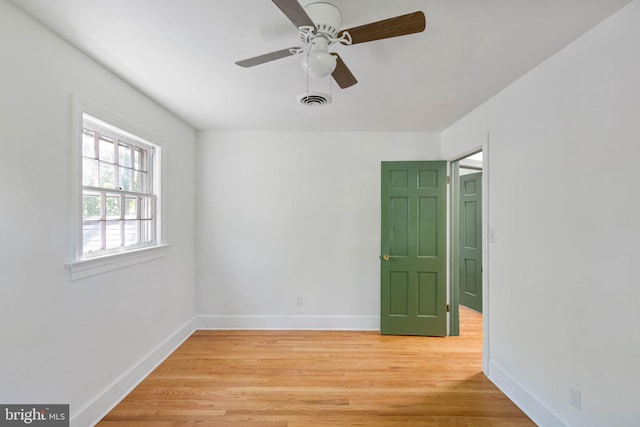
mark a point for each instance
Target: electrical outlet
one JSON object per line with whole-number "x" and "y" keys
{"x": 299, "y": 301}
{"x": 575, "y": 397}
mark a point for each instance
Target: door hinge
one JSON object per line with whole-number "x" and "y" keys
{"x": 448, "y": 180}
{"x": 447, "y": 308}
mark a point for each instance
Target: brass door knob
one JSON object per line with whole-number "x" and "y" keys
{"x": 385, "y": 257}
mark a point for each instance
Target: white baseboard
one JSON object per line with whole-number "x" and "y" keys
{"x": 522, "y": 398}
{"x": 324, "y": 323}
{"x": 112, "y": 394}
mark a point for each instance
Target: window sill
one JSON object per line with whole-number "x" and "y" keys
{"x": 94, "y": 266}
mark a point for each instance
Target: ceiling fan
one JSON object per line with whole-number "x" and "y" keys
{"x": 319, "y": 28}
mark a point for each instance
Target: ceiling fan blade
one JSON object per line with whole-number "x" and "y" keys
{"x": 393, "y": 27}
{"x": 267, "y": 57}
{"x": 342, "y": 75}
{"x": 295, "y": 12}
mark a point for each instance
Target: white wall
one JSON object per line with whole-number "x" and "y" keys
{"x": 64, "y": 341}
{"x": 564, "y": 143}
{"x": 283, "y": 215}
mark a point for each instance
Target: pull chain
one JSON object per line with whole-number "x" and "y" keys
{"x": 330, "y": 92}
{"x": 307, "y": 71}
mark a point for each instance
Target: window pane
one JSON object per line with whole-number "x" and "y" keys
{"x": 91, "y": 206}
{"x": 124, "y": 155}
{"x": 136, "y": 184}
{"x": 144, "y": 160}
{"x": 107, "y": 175}
{"x": 146, "y": 231}
{"x": 112, "y": 206}
{"x": 88, "y": 147}
{"x": 91, "y": 239}
{"x": 131, "y": 233}
{"x": 106, "y": 148}
{"x": 89, "y": 172}
{"x": 136, "y": 158}
{"x": 114, "y": 234}
{"x": 146, "y": 208}
{"x": 130, "y": 207}
{"x": 125, "y": 179}
{"x": 144, "y": 182}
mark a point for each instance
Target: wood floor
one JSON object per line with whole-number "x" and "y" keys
{"x": 302, "y": 378}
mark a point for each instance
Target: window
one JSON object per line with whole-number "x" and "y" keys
{"x": 117, "y": 211}
{"x": 118, "y": 199}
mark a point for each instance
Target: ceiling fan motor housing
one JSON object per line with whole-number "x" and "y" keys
{"x": 326, "y": 17}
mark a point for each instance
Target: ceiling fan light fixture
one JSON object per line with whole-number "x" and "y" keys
{"x": 319, "y": 63}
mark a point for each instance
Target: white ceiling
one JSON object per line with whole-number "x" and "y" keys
{"x": 181, "y": 53}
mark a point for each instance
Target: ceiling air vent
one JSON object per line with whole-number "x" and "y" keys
{"x": 314, "y": 99}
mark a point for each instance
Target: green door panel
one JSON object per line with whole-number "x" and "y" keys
{"x": 413, "y": 229}
{"x": 470, "y": 262}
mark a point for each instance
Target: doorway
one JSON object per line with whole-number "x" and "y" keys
{"x": 466, "y": 255}
{"x": 480, "y": 144}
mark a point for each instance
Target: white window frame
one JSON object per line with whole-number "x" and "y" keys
{"x": 85, "y": 265}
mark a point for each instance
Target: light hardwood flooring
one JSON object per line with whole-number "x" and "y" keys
{"x": 303, "y": 378}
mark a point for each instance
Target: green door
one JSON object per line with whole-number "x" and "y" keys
{"x": 470, "y": 289}
{"x": 413, "y": 261}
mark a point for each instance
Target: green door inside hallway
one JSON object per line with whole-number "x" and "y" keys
{"x": 413, "y": 248}
{"x": 470, "y": 261}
